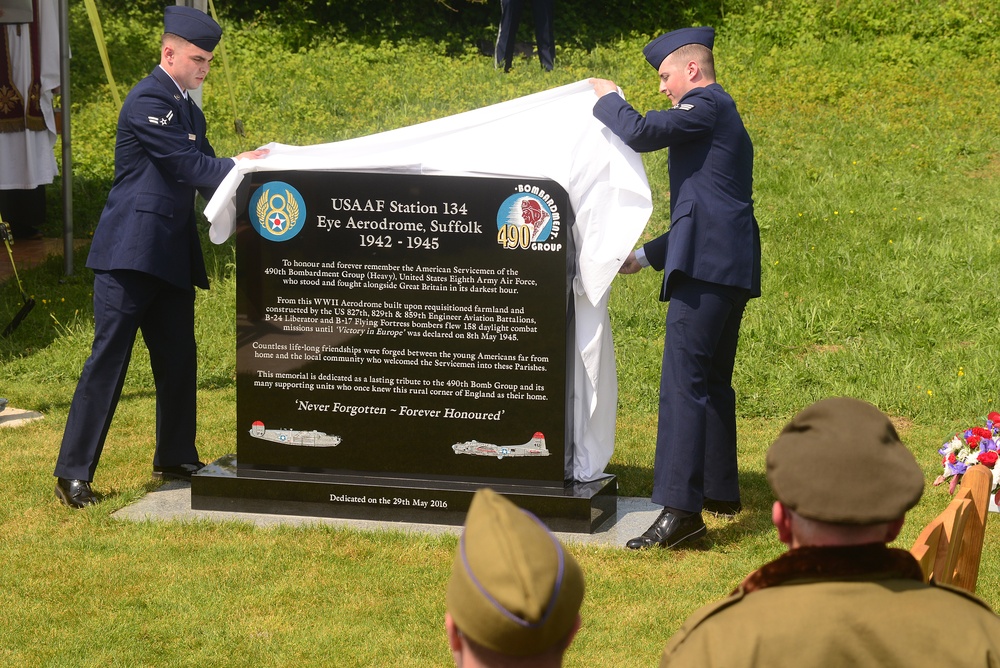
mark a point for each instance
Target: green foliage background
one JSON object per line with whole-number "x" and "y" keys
{"x": 877, "y": 186}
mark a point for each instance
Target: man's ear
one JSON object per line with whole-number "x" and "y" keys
{"x": 782, "y": 519}
{"x": 893, "y": 529}
{"x": 572, "y": 633}
{"x": 692, "y": 70}
{"x": 454, "y": 637}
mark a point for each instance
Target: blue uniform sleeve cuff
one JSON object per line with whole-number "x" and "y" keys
{"x": 640, "y": 256}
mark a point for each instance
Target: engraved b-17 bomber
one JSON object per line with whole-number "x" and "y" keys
{"x": 533, "y": 448}
{"x": 313, "y": 438}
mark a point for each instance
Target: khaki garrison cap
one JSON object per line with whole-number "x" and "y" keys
{"x": 841, "y": 461}
{"x": 514, "y": 589}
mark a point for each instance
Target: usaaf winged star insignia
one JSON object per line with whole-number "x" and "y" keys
{"x": 278, "y": 213}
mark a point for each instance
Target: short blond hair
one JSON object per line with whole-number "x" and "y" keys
{"x": 172, "y": 39}
{"x": 700, "y": 54}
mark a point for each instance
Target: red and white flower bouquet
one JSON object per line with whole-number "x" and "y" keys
{"x": 972, "y": 447}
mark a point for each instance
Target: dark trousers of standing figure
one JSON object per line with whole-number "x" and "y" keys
{"x": 24, "y": 211}
{"x": 510, "y": 18}
{"x": 696, "y": 433}
{"x": 126, "y": 302}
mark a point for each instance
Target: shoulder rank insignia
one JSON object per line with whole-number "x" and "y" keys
{"x": 685, "y": 106}
{"x": 155, "y": 120}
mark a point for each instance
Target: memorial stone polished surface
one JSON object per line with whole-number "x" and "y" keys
{"x": 402, "y": 340}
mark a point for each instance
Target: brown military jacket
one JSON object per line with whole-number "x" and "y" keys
{"x": 839, "y": 606}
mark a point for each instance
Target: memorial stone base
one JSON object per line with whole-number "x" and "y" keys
{"x": 575, "y": 507}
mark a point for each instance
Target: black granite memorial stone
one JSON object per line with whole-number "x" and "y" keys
{"x": 402, "y": 340}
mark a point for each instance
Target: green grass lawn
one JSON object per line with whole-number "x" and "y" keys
{"x": 877, "y": 185}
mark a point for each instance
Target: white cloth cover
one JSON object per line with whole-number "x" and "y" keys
{"x": 28, "y": 160}
{"x": 551, "y": 135}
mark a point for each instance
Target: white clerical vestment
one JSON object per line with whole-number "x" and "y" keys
{"x": 28, "y": 158}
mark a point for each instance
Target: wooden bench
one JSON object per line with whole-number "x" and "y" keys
{"x": 949, "y": 548}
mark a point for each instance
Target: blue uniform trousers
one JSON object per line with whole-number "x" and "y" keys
{"x": 696, "y": 433}
{"x": 126, "y": 302}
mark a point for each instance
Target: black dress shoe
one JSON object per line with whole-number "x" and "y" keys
{"x": 670, "y": 530}
{"x": 726, "y": 509}
{"x": 179, "y": 472}
{"x": 75, "y": 493}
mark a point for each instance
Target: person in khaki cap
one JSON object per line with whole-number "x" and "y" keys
{"x": 515, "y": 592}
{"x": 840, "y": 596}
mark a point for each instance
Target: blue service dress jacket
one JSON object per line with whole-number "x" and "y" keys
{"x": 713, "y": 234}
{"x": 161, "y": 157}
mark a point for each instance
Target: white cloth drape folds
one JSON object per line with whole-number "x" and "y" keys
{"x": 551, "y": 135}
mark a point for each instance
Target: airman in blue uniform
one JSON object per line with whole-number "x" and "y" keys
{"x": 147, "y": 259}
{"x": 710, "y": 259}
